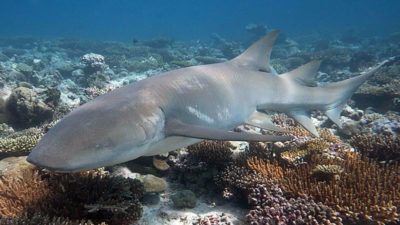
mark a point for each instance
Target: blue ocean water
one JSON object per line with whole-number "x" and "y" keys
{"x": 124, "y": 19}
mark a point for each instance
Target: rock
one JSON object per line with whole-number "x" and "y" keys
{"x": 93, "y": 62}
{"x": 65, "y": 69}
{"x": 152, "y": 183}
{"x": 25, "y": 69}
{"x": 15, "y": 166}
{"x": 160, "y": 164}
{"x": 26, "y": 109}
{"x": 184, "y": 199}
{"x": 16, "y": 75}
{"x": 151, "y": 199}
{"x": 351, "y": 128}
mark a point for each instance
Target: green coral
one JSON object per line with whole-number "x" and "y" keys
{"x": 19, "y": 145}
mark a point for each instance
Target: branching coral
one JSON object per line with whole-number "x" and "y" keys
{"x": 379, "y": 147}
{"x": 267, "y": 169}
{"x": 43, "y": 220}
{"x": 18, "y": 146}
{"x": 365, "y": 190}
{"x": 211, "y": 152}
{"x": 88, "y": 195}
{"x": 328, "y": 136}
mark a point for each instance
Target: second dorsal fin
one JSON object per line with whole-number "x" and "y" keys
{"x": 305, "y": 74}
{"x": 256, "y": 57}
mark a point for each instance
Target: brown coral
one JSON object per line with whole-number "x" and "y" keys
{"x": 18, "y": 146}
{"x": 298, "y": 155}
{"x": 238, "y": 181}
{"x": 88, "y": 195}
{"x": 328, "y": 136}
{"x": 211, "y": 152}
{"x": 379, "y": 147}
{"x": 365, "y": 190}
{"x": 267, "y": 169}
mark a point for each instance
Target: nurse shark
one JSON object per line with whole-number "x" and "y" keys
{"x": 185, "y": 106}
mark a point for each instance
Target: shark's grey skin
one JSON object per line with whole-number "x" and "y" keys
{"x": 184, "y": 106}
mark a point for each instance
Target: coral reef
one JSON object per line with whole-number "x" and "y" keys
{"x": 379, "y": 147}
{"x": 364, "y": 191}
{"x": 211, "y": 152}
{"x": 26, "y": 109}
{"x": 90, "y": 196}
{"x": 238, "y": 181}
{"x": 267, "y": 169}
{"x": 21, "y": 145}
{"x": 271, "y": 207}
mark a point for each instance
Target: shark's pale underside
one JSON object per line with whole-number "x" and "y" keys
{"x": 184, "y": 106}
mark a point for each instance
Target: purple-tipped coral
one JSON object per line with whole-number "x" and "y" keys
{"x": 271, "y": 207}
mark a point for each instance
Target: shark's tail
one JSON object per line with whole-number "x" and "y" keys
{"x": 329, "y": 99}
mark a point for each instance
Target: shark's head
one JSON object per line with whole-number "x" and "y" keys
{"x": 97, "y": 135}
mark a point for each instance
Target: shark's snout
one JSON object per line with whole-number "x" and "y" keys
{"x": 39, "y": 158}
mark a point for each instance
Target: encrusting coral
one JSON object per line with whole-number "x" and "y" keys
{"x": 379, "y": 147}
{"x": 92, "y": 195}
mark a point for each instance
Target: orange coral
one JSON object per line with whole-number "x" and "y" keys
{"x": 365, "y": 189}
{"x": 267, "y": 169}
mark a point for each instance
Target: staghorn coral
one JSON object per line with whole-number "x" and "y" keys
{"x": 299, "y": 131}
{"x": 211, "y": 152}
{"x": 365, "y": 190}
{"x": 328, "y": 136}
{"x": 271, "y": 207}
{"x": 379, "y": 147}
{"x": 267, "y": 169}
{"x": 88, "y": 195}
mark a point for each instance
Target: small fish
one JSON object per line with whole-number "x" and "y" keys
{"x": 182, "y": 107}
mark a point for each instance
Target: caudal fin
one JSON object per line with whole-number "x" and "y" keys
{"x": 344, "y": 90}
{"x": 334, "y": 95}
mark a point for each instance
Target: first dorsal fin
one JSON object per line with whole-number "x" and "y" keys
{"x": 174, "y": 127}
{"x": 256, "y": 57}
{"x": 305, "y": 74}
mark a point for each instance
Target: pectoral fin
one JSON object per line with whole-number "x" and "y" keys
{"x": 263, "y": 121}
{"x": 174, "y": 127}
{"x": 304, "y": 118}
